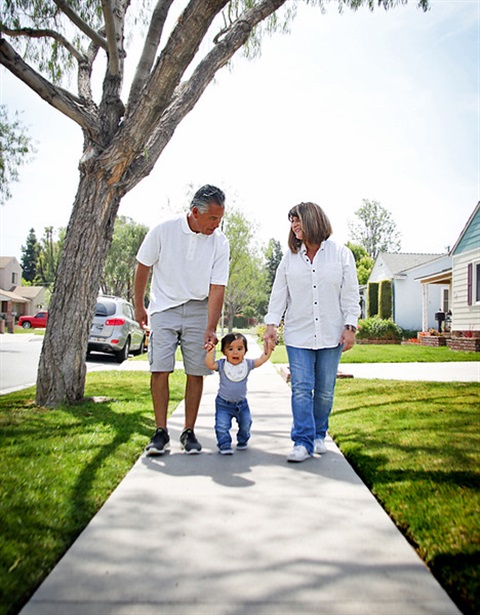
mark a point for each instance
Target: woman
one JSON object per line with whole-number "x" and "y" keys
{"x": 316, "y": 287}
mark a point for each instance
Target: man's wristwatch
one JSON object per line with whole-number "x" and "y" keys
{"x": 351, "y": 328}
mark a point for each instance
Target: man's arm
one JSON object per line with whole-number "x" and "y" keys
{"x": 142, "y": 273}
{"x": 215, "y": 303}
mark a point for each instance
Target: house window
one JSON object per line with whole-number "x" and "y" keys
{"x": 473, "y": 283}
{"x": 445, "y": 300}
{"x": 476, "y": 283}
{"x": 14, "y": 278}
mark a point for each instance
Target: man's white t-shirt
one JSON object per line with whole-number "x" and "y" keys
{"x": 184, "y": 263}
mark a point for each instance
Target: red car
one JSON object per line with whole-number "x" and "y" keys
{"x": 39, "y": 321}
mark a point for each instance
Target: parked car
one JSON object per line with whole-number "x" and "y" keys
{"x": 114, "y": 329}
{"x": 39, "y": 321}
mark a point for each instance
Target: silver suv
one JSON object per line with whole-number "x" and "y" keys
{"x": 114, "y": 329}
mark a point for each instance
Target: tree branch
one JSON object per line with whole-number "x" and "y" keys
{"x": 112, "y": 49}
{"x": 188, "y": 94}
{"x": 150, "y": 47}
{"x": 81, "y": 112}
{"x": 78, "y": 21}
{"x": 44, "y": 33}
{"x": 176, "y": 56}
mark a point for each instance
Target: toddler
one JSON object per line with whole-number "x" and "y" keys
{"x": 231, "y": 401}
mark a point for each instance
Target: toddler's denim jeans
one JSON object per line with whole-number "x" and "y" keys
{"x": 225, "y": 411}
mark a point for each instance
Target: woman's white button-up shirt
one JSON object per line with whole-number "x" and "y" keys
{"x": 317, "y": 298}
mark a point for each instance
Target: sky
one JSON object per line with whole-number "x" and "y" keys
{"x": 381, "y": 105}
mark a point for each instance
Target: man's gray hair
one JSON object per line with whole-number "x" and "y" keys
{"x": 205, "y": 196}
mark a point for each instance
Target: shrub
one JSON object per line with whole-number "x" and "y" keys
{"x": 378, "y": 329}
{"x": 385, "y": 308}
{"x": 372, "y": 299}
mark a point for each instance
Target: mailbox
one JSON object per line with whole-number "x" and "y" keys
{"x": 440, "y": 317}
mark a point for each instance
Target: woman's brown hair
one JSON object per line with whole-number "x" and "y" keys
{"x": 315, "y": 225}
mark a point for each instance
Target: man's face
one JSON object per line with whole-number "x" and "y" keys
{"x": 207, "y": 222}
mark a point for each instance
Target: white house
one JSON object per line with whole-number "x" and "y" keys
{"x": 410, "y": 309}
{"x": 466, "y": 277}
{"x": 17, "y": 300}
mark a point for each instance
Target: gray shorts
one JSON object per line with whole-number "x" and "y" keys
{"x": 183, "y": 326}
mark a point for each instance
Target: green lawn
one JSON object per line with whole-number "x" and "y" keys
{"x": 58, "y": 467}
{"x": 376, "y": 353}
{"x": 417, "y": 447}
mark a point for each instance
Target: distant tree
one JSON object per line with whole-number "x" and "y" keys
{"x": 49, "y": 256}
{"x": 273, "y": 256}
{"x": 117, "y": 278}
{"x": 247, "y": 280}
{"x": 16, "y": 149}
{"x": 30, "y": 256}
{"x": 376, "y": 230}
{"x": 363, "y": 262}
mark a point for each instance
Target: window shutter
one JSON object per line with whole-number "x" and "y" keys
{"x": 469, "y": 283}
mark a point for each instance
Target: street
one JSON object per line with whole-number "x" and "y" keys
{"x": 19, "y": 356}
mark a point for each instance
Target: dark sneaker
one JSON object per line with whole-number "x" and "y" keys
{"x": 242, "y": 447}
{"x": 159, "y": 443}
{"x": 189, "y": 442}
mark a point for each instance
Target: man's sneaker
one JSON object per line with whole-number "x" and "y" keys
{"x": 159, "y": 443}
{"x": 189, "y": 442}
{"x": 226, "y": 451}
{"x": 299, "y": 453}
{"x": 319, "y": 446}
{"x": 242, "y": 447}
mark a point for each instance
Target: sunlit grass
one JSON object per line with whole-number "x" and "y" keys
{"x": 58, "y": 467}
{"x": 417, "y": 447}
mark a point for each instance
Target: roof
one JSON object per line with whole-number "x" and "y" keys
{"x": 4, "y": 260}
{"x": 465, "y": 228}
{"x": 398, "y": 262}
{"x": 6, "y": 295}
{"x": 28, "y": 292}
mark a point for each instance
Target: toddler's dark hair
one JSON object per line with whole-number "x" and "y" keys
{"x": 230, "y": 337}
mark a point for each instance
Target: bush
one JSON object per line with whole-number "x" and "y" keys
{"x": 376, "y": 328}
{"x": 372, "y": 299}
{"x": 385, "y": 308}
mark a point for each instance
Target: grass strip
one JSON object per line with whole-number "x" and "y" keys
{"x": 416, "y": 445}
{"x": 394, "y": 353}
{"x": 59, "y": 466}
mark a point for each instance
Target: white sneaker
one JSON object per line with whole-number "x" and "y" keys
{"x": 226, "y": 451}
{"x": 299, "y": 453}
{"x": 320, "y": 447}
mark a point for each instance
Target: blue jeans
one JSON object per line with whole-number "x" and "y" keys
{"x": 225, "y": 411}
{"x": 313, "y": 374}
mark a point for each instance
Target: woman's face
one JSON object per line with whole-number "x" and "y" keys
{"x": 297, "y": 227}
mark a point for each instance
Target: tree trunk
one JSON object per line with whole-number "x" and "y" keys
{"x": 62, "y": 369}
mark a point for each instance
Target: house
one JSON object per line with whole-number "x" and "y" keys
{"x": 17, "y": 300}
{"x": 410, "y": 308}
{"x": 10, "y": 272}
{"x": 466, "y": 284}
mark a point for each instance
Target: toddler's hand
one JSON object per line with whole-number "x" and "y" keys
{"x": 209, "y": 346}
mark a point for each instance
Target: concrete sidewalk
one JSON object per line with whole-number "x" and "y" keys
{"x": 240, "y": 535}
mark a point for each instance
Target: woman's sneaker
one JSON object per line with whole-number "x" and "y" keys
{"x": 242, "y": 447}
{"x": 319, "y": 446}
{"x": 189, "y": 442}
{"x": 159, "y": 443}
{"x": 225, "y": 451}
{"x": 299, "y": 453}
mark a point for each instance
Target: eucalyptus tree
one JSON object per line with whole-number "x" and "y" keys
{"x": 124, "y": 135}
{"x": 16, "y": 147}
{"x": 375, "y": 229}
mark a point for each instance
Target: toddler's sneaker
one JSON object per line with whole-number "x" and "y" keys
{"x": 159, "y": 443}
{"x": 298, "y": 453}
{"x": 319, "y": 446}
{"x": 226, "y": 451}
{"x": 189, "y": 442}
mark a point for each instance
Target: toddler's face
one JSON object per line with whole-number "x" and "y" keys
{"x": 235, "y": 352}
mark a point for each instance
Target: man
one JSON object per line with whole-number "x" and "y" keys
{"x": 189, "y": 256}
